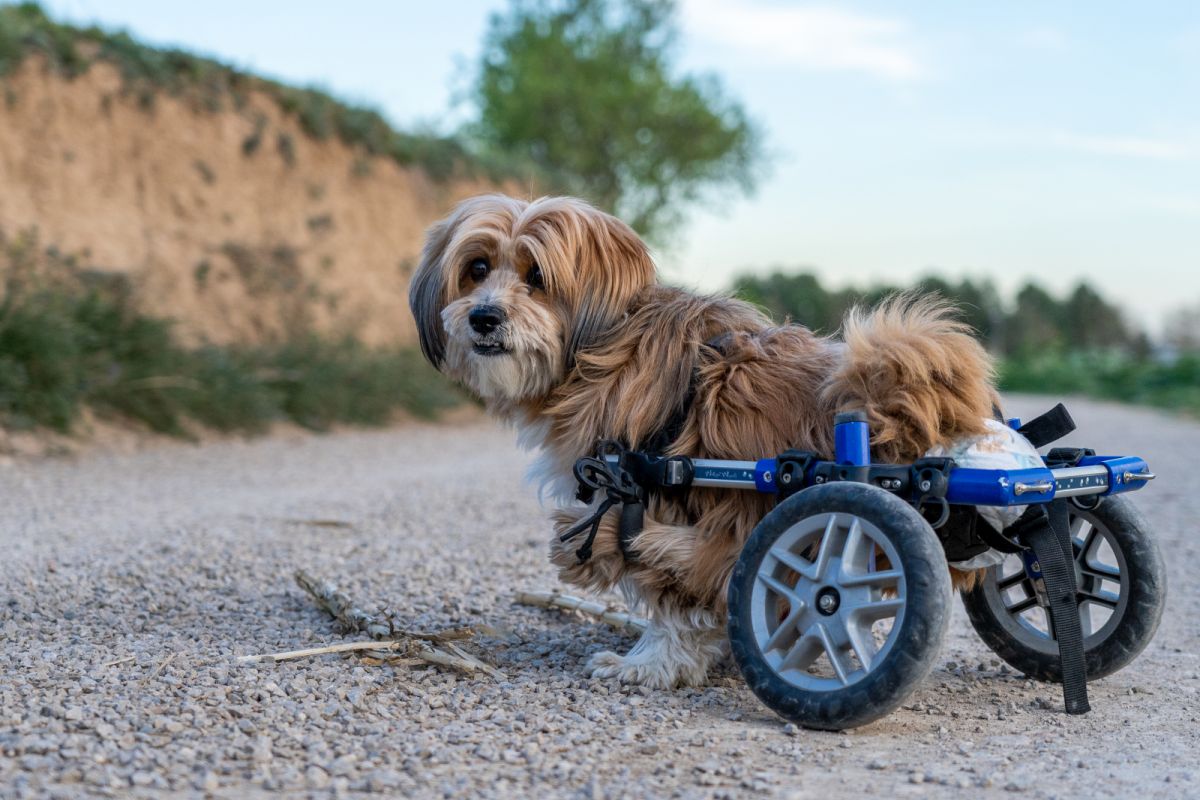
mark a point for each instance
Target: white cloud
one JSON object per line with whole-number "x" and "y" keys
{"x": 1125, "y": 146}
{"x": 808, "y": 37}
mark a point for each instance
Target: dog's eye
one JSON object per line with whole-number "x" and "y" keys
{"x": 534, "y": 277}
{"x": 478, "y": 269}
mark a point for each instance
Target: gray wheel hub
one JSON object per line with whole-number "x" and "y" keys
{"x": 828, "y": 600}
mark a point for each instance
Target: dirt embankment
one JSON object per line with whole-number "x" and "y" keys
{"x": 235, "y": 223}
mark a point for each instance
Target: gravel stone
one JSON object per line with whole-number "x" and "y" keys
{"x": 129, "y": 584}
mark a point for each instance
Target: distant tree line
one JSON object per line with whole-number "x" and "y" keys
{"x": 1035, "y": 322}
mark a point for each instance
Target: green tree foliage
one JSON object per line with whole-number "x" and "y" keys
{"x": 1035, "y": 323}
{"x": 584, "y": 89}
{"x": 1182, "y": 330}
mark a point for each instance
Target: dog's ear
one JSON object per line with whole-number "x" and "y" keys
{"x": 427, "y": 292}
{"x": 614, "y": 265}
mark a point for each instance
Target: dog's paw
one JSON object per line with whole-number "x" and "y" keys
{"x": 605, "y": 664}
{"x": 634, "y": 670}
{"x": 642, "y": 669}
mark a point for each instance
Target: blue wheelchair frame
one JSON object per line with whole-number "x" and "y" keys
{"x": 1042, "y": 534}
{"x": 1092, "y": 475}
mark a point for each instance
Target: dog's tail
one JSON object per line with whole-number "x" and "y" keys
{"x": 918, "y": 372}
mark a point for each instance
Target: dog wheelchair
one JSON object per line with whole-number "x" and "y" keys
{"x": 840, "y": 599}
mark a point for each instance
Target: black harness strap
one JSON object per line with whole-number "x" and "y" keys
{"x": 629, "y": 526}
{"x": 637, "y": 475}
{"x": 594, "y": 474}
{"x": 1047, "y": 531}
{"x": 1049, "y": 427}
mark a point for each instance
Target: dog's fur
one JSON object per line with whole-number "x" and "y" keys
{"x": 603, "y": 351}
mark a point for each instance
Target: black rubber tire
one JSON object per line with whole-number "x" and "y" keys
{"x": 1130, "y": 634}
{"x": 928, "y": 596}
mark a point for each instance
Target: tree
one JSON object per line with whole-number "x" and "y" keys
{"x": 1182, "y": 330}
{"x": 1089, "y": 322}
{"x": 585, "y": 90}
{"x": 1033, "y": 327}
{"x": 979, "y": 305}
{"x": 799, "y": 298}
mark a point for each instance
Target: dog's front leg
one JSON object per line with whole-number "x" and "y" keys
{"x": 604, "y": 567}
{"x": 685, "y": 636}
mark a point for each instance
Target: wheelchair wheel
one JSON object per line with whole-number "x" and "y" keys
{"x": 838, "y": 605}
{"x": 1121, "y": 591}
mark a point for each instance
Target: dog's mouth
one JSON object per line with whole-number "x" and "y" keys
{"x": 489, "y": 349}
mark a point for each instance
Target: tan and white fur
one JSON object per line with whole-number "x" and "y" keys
{"x": 550, "y": 312}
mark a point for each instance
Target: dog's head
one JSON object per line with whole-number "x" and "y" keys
{"x": 508, "y": 291}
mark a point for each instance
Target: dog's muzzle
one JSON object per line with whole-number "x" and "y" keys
{"x": 486, "y": 321}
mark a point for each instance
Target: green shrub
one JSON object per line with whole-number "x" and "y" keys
{"x": 70, "y": 340}
{"x": 1172, "y": 383}
{"x": 322, "y": 382}
{"x": 42, "y": 362}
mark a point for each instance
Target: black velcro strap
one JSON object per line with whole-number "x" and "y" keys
{"x": 594, "y": 474}
{"x": 592, "y": 524}
{"x": 654, "y": 472}
{"x": 632, "y": 519}
{"x": 1067, "y": 456}
{"x": 999, "y": 541}
{"x": 1049, "y": 535}
{"x": 1049, "y": 427}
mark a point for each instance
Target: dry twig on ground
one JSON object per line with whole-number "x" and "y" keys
{"x": 397, "y": 645}
{"x": 618, "y": 619}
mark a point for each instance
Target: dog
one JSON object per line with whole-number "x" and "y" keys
{"x": 550, "y": 312}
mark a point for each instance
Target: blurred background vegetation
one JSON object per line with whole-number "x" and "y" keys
{"x": 579, "y": 96}
{"x": 1076, "y": 344}
{"x": 72, "y": 338}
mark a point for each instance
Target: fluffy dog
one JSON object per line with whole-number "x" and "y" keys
{"x": 550, "y": 312}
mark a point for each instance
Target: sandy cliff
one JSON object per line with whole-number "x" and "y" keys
{"x": 234, "y": 222}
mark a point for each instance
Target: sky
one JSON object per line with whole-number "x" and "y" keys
{"x": 1013, "y": 141}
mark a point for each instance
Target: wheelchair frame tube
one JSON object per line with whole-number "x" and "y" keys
{"x": 852, "y": 439}
{"x": 1096, "y": 475}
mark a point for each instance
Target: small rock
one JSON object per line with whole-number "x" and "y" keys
{"x": 343, "y": 765}
{"x": 209, "y": 782}
{"x": 317, "y": 777}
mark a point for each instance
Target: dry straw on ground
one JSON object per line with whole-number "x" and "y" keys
{"x": 395, "y": 645}
{"x": 388, "y": 642}
{"x": 618, "y": 619}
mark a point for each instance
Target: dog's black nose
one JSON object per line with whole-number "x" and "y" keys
{"x": 485, "y": 319}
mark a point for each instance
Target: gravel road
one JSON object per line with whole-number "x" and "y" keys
{"x": 131, "y": 582}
